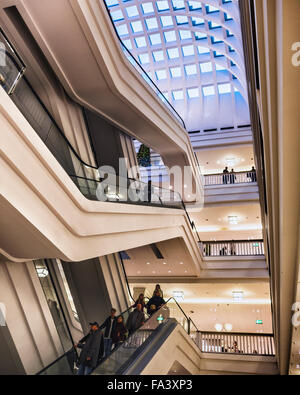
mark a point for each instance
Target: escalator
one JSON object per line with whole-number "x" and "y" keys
{"x": 137, "y": 351}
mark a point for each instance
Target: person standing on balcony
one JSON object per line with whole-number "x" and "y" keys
{"x": 232, "y": 177}
{"x": 253, "y": 174}
{"x": 225, "y": 175}
{"x": 235, "y": 347}
{"x": 232, "y": 248}
{"x": 109, "y": 325}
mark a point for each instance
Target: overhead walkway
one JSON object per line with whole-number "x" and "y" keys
{"x": 78, "y": 213}
{"x": 164, "y": 341}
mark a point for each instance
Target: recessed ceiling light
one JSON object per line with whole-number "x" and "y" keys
{"x": 169, "y": 271}
{"x": 180, "y": 263}
{"x": 164, "y": 263}
{"x": 185, "y": 271}
{"x": 148, "y": 263}
{"x": 233, "y": 219}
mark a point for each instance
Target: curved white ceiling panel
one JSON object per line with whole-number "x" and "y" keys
{"x": 193, "y": 51}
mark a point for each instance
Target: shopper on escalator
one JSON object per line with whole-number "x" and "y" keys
{"x": 135, "y": 320}
{"x": 109, "y": 325}
{"x": 157, "y": 288}
{"x": 155, "y": 303}
{"x": 140, "y": 300}
{"x": 119, "y": 333}
{"x": 90, "y": 346}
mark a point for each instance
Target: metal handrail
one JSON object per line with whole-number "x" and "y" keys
{"x": 232, "y": 241}
{"x": 235, "y": 172}
{"x": 236, "y": 333}
{"x": 188, "y": 318}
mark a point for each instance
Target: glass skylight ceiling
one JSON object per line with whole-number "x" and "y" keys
{"x": 193, "y": 51}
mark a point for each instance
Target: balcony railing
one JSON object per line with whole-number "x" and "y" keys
{"x": 243, "y": 177}
{"x": 236, "y": 343}
{"x": 233, "y": 248}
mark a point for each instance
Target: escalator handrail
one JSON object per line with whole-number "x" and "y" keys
{"x": 171, "y": 298}
{"x": 188, "y": 318}
{"x": 121, "y": 314}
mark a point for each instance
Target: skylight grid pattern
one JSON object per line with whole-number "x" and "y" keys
{"x": 186, "y": 47}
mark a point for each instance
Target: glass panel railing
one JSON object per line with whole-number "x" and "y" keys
{"x": 125, "y": 190}
{"x": 63, "y": 366}
{"x": 115, "y": 363}
{"x": 125, "y": 350}
{"x": 11, "y": 66}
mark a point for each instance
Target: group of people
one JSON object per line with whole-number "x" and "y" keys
{"x": 98, "y": 345}
{"x": 229, "y": 177}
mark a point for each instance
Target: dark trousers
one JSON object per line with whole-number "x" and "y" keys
{"x": 107, "y": 347}
{"x": 84, "y": 370}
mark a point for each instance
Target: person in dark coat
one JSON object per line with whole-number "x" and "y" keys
{"x": 119, "y": 333}
{"x": 157, "y": 288}
{"x": 140, "y": 300}
{"x": 135, "y": 320}
{"x": 90, "y": 346}
{"x": 155, "y": 303}
{"x": 225, "y": 175}
{"x": 109, "y": 325}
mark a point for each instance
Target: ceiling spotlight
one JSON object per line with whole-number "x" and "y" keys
{"x": 164, "y": 263}
{"x": 228, "y": 327}
{"x": 148, "y": 263}
{"x": 230, "y": 161}
{"x": 218, "y": 327}
{"x": 180, "y": 263}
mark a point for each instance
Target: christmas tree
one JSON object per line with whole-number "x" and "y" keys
{"x": 143, "y": 156}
